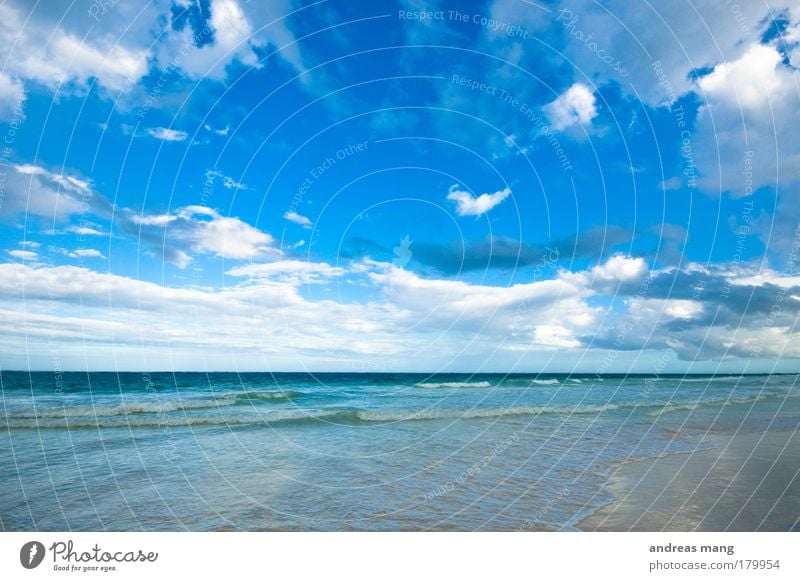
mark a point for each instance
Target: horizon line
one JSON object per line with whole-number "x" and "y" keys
{"x": 361, "y": 372}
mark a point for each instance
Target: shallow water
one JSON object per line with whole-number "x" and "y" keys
{"x": 193, "y": 451}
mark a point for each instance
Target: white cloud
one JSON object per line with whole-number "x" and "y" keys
{"x": 298, "y": 219}
{"x": 12, "y": 95}
{"x": 264, "y": 315}
{"x": 468, "y": 205}
{"x": 746, "y": 130}
{"x": 620, "y": 268}
{"x": 68, "y": 51}
{"x": 221, "y": 236}
{"x": 227, "y": 181}
{"x": 86, "y": 253}
{"x": 232, "y": 42}
{"x": 35, "y": 191}
{"x": 23, "y": 254}
{"x": 626, "y": 36}
{"x": 166, "y": 134}
{"x": 575, "y": 105}
{"x": 49, "y": 55}
{"x": 153, "y": 219}
{"x": 751, "y": 81}
{"x": 292, "y": 271}
{"x": 223, "y": 132}
{"x": 85, "y": 231}
{"x": 58, "y": 196}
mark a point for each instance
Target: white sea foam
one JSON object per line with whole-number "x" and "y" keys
{"x": 456, "y": 384}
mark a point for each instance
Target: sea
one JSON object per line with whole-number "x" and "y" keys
{"x": 166, "y": 451}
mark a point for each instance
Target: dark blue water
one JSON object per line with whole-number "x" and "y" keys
{"x": 196, "y": 451}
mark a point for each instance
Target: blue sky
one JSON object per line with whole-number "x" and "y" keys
{"x": 400, "y": 186}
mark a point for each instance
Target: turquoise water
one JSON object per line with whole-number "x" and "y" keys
{"x": 226, "y": 451}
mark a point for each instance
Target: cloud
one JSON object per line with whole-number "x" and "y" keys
{"x": 206, "y": 49}
{"x": 745, "y": 136}
{"x": 682, "y": 40}
{"x": 128, "y": 317}
{"x": 86, "y": 253}
{"x": 575, "y": 105}
{"x": 44, "y": 52}
{"x": 751, "y": 81}
{"x": 23, "y": 254}
{"x": 60, "y": 195}
{"x": 298, "y": 219}
{"x": 223, "y": 132}
{"x": 198, "y": 229}
{"x": 226, "y": 237}
{"x": 294, "y": 272}
{"x": 12, "y": 95}
{"x": 620, "y": 268}
{"x": 227, "y": 181}
{"x": 85, "y": 231}
{"x": 718, "y": 313}
{"x": 673, "y": 183}
{"x": 166, "y": 134}
{"x": 468, "y": 205}
{"x": 66, "y": 51}
{"x": 36, "y": 191}
{"x": 500, "y": 252}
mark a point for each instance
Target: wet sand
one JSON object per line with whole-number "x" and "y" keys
{"x": 748, "y": 482}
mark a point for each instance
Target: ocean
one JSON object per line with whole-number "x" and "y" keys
{"x": 359, "y": 451}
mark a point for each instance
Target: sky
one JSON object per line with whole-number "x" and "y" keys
{"x": 500, "y": 186}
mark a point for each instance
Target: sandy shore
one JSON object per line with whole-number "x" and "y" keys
{"x": 748, "y": 482}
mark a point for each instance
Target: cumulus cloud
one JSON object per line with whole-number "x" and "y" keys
{"x": 12, "y": 95}
{"x": 620, "y": 268}
{"x": 745, "y": 130}
{"x": 166, "y": 134}
{"x": 206, "y": 51}
{"x": 197, "y": 229}
{"x": 682, "y": 40}
{"x": 43, "y": 52}
{"x": 298, "y": 219}
{"x": 222, "y": 236}
{"x": 66, "y": 50}
{"x": 291, "y": 271}
{"x": 86, "y": 253}
{"x": 23, "y": 254}
{"x": 57, "y": 195}
{"x": 751, "y": 80}
{"x": 717, "y": 313}
{"x": 469, "y": 205}
{"x": 576, "y": 105}
{"x": 85, "y": 231}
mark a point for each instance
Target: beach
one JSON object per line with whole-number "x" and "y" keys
{"x": 746, "y": 482}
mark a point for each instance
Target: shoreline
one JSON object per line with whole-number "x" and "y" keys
{"x": 746, "y": 482}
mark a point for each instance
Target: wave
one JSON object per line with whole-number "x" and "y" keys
{"x": 718, "y": 402}
{"x": 456, "y": 384}
{"x": 269, "y": 395}
{"x": 124, "y": 409}
{"x": 351, "y": 416}
{"x": 711, "y": 378}
{"x": 544, "y": 382}
{"x": 163, "y": 406}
